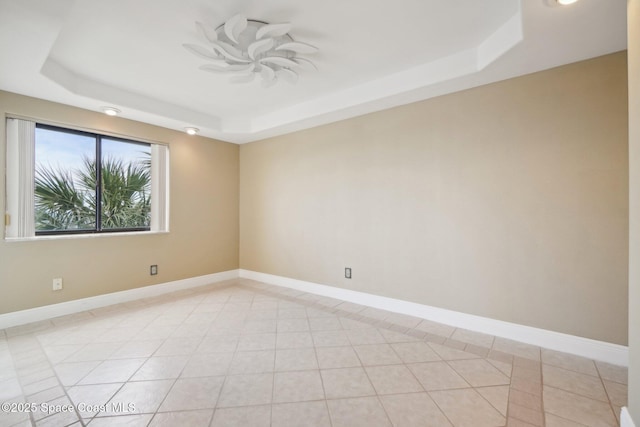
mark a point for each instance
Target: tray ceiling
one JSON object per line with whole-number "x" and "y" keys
{"x": 372, "y": 55}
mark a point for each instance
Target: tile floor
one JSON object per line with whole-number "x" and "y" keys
{"x": 242, "y": 353}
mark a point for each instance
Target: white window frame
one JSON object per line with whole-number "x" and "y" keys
{"x": 20, "y": 178}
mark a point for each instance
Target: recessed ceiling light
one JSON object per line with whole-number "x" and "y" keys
{"x": 566, "y": 2}
{"x": 110, "y": 111}
{"x": 191, "y": 131}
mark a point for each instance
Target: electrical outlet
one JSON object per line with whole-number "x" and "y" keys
{"x": 153, "y": 270}
{"x": 57, "y": 284}
{"x": 347, "y": 272}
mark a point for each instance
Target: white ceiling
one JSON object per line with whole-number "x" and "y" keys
{"x": 373, "y": 54}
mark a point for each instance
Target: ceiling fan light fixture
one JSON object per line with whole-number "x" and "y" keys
{"x": 246, "y": 48}
{"x": 566, "y": 2}
{"x": 191, "y": 130}
{"x": 110, "y": 111}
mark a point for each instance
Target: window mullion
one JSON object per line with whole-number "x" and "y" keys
{"x": 98, "y": 188}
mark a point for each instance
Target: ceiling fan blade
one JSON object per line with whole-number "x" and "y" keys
{"x": 273, "y": 30}
{"x": 223, "y": 49}
{"x": 244, "y": 78}
{"x": 234, "y": 26}
{"x": 201, "y": 51}
{"x": 298, "y": 47}
{"x": 279, "y": 60}
{"x": 305, "y": 63}
{"x": 245, "y": 68}
{"x": 212, "y": 68}
{"x": 267, "y": 73}
{"x": 228, "y": 68}
{"x": 207, "y": 33}
{"x": 241, "y": 67}
{"x": 229, "y": 48}
{"x": 258, "y": 47}
{"x": 288, "y": 75}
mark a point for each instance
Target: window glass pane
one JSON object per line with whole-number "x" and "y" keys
{"x": 126, "y": 184}
{"x": 65, "y": 181}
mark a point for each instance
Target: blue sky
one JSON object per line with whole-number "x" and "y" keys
{"x": 62, "y": 150}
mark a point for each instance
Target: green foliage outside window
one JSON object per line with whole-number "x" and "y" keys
{"x": 67, "y": 199}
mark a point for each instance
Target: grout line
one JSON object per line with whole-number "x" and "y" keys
{"x": 55, "y": 375}
{"x": 544, "y": 418}
{"x": 515, "y": 367}
{"x": 167, "y": 303}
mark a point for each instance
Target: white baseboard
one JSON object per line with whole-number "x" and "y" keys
{"x": 625, "y": 418}
{"x": 597, "y": 350}
{"x": 22, "y": 317}
{"x": 585, "y": 347}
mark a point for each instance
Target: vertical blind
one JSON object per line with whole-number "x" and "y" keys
{"x": 21, "y": 142}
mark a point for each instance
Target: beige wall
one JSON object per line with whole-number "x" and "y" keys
{"x": 203, "y": 220}
{"x": 508, "y": 201}
{"x": 633, "y": 26}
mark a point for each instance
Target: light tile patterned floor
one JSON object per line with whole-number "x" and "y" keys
{"x": 243, "y": 353}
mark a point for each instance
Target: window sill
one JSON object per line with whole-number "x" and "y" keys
{"x": 81, "y": 236}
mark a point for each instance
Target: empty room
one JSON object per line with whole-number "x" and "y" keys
{"x": 323, "y": 214}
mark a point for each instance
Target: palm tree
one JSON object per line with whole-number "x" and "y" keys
{"x": 65, "y": 203}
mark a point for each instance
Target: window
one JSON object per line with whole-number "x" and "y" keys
{"x": 64, "y": 181}
{"x": 90, "y": 183}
